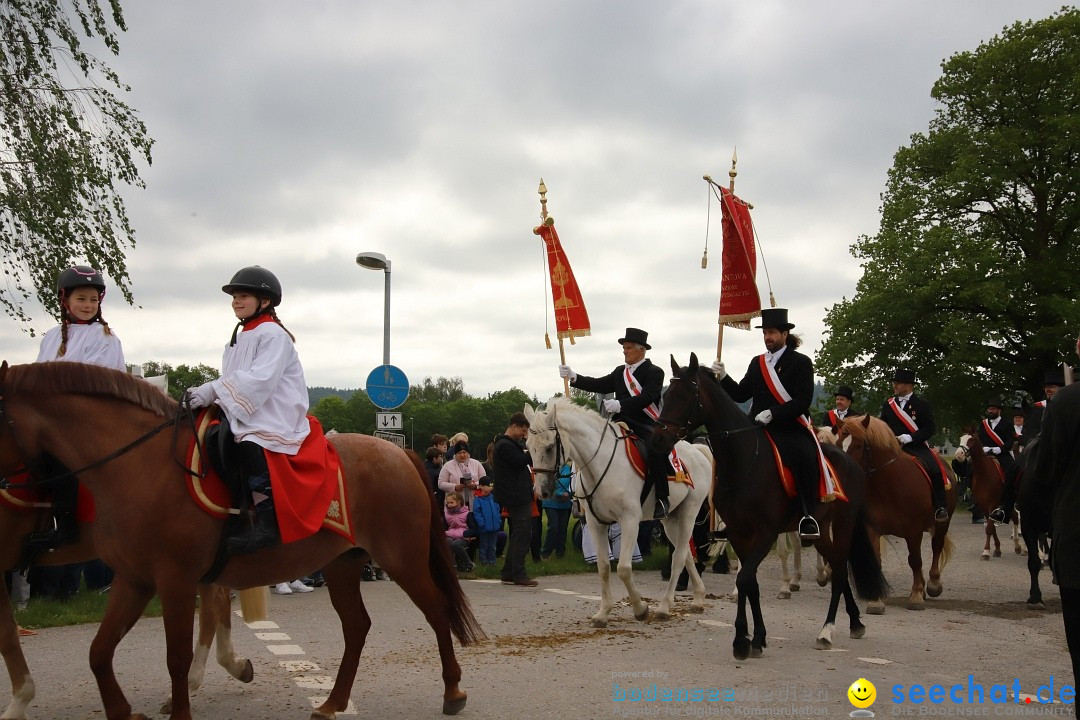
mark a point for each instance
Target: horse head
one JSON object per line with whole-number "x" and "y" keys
{"x": 681, "y": 406}
{"x": 543, "y": 447}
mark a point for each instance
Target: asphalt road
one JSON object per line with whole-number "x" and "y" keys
{"x": 544, "y": 660}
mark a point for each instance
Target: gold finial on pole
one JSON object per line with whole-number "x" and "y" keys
{"x": 733, "y": 172}
{"x": 543, "y": 200}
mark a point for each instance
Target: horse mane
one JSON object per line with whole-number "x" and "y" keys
{"x": 878, "y": 436}
{"x": 82, "y": 379}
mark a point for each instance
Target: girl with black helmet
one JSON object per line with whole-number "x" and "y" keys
{"x": 82, "y": 336}
{"x": 261, "y": 391}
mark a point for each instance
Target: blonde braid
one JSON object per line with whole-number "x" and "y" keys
{"x": 273, "y": 313}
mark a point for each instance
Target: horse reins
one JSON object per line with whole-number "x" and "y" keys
{"x": 588, "y": 496}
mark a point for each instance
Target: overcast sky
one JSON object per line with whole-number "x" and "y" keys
{"x": 294, "y": 135}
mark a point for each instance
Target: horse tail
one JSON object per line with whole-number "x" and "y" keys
{"x": 870, "y": 582}
{"x": 946, "y": 552}
{"x": 463, "y": 624}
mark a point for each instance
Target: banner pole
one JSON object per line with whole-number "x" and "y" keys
{"x": 731, "y": 186}
{"x": 562, "y": 361}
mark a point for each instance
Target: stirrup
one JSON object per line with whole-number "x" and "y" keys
{"x": 941, "y": 514}
{"x": 660, "y": 509}
{"x": 998, "y": 515}
{"x": 719, "y": 533}
{"x": 808, "y": 528}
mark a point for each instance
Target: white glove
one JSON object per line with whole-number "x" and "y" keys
{"x": 612, "y": 405}
{"x": 202, "y": 396}
{"x": 764, "y": 417}
{"x": 718, "y": 370}
{"x": 987, "y": 449}
{"x": 566, "y": 372}
{"x": 995, "y": 450}
{"x": 904, "y": 439}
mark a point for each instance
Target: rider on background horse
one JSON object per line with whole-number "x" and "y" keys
{"x": 781, "y": 384}
{"x": 82, "y": 336}
{"x": 911, "y": 418}
{"x": 834, "y": 418}
{"x": 262, "y": 394}
{"x": 638, "y": 386}
{"x": 1053, "y": 380}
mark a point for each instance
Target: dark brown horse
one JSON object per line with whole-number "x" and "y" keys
{"x": 987, "y": 485}
{"x": 748, "y": 494}
{"x": 18, "y": 518}
{"x": 899, "y": 502}
{"x": 159, "y": 542}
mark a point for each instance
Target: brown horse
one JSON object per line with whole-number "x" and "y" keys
{"x": 748, "y": 494}
{"x": 899, "y": 502}
{"x": 16, "y": 523}
{"x": 157, "y": 540}
{"x": 987, "y": 484}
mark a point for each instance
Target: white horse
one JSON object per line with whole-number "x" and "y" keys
{"x": 609, "y": 490}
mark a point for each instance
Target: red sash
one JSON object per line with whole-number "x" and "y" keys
{"x": 654, "y": 412}
{"x": 993, "y": 435}
{"x": 906, "y": 419}
{"x": 834, "y": 420}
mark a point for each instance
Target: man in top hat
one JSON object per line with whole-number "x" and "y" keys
{"x": 835, "y": 418}
{"x": 1018, "y": 429}
{"x": 997, "y": 435}
{"x": 780, "y": 384}
{"x": 637, "y": 385}
{"x": 911, "y": 419}
{"x": 1053, "y": 380}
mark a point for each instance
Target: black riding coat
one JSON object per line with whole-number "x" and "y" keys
{"x": 651, "y": 379}
{"x": 922, "y": 413}
{"x": 1007, "y": 433}
{"x": 826, "y": 418}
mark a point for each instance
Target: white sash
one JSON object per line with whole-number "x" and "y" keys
{"x": 635, "y": 389}
{"x": 993, "y": 435}
{"x": 909, "y": 422}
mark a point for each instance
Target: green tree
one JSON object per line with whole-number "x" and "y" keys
{"x": 66, "y": 142}
{"x": 181, "y": 377}
{"x": 971, "y": 279}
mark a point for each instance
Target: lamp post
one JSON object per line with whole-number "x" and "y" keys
{"x": 412, "y": 433}
{"x": 378, "y": 261}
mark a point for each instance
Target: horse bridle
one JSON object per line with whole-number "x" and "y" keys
{"x": 34, "y": 469}
{"x": 587, "y": 497}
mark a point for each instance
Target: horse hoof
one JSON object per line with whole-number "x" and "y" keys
{"x": 1035, "y": 604}
{"x": 822, "y": 581}
{"x": 875, "y": 609}
{"x": 697, "y": 609}
{"x": 1019, "y": 551}
{"x": 643, "y": 616}
{"x": 823, "y": 644}
{"x": 316, "y": 715}
{"x": 794, "y": 587}
{"x": 248, "y": 673}
{"x": 598, "y": 623}
{"x": 997, "y": 553}
{"x": 660, "y": 615}
{"x": 784, "y": 595}
{"x": 756, "y": 652}
{"x": 740, "y": 649}
{"x": 912, "y": 605}
{"x": 934, "y": 590}
{"x": 453, "y": 707}
{"x": 857, "y": 632}
{"x": 986, "y": 555}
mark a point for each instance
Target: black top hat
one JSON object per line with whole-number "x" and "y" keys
{"x": 903, "y": 375}
{"x": 638, "y": 336}
{"x": 1054, "y": 377}
{"x": 994, "y": 402}
{"x": 844, "y": 391}
{"x": 775, "y": 318}
{"x": 1018, "y": 411}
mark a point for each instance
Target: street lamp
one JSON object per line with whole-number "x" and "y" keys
{"x": 378, "y": 261}
{"x": 412, "y": 433}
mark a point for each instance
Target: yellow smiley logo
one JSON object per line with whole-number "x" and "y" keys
{"x": 862, "y": 693}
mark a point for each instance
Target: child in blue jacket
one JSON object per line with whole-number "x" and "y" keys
{"x": 488, "y": 520}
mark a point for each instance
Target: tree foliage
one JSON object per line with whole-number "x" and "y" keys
{"x": 971, "y": 279}
{"x": 181, "y": 377}
{"x": 66, "y": 142}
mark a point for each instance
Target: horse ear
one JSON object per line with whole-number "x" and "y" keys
{"x": 693, "y": 362}
{"x": 674, "y": 367}
{"x": 529, "y": 412}
{"x": 866, "y": 421}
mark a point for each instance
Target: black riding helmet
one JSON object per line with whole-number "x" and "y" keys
{"x": 258, "y": 280}
{"x": 78, "y": 276}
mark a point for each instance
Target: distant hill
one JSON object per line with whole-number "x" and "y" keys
{"x": 315, "y": 394}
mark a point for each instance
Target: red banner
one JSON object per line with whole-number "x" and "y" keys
{"x": 739, "y": 300}
{"x": 571, "y": 318}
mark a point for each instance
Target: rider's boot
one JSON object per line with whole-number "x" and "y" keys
{"x": 660, "y": 488}
{"x": 808, "y": 526}
{"x": 1003, "y": 513}
{"x": 65, "y": 495}
{"x": 941, "y": 514}
{"x": 263, "y": 530}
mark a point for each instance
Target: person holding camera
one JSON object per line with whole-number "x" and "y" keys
{"x": 461, "y": 474}
{"x": 557, "y": 509}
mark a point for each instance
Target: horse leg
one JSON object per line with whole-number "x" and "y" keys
{"x": 989, "y": 528}
{"x": 824, "y": 572}
{"x": 917, "y": 597}
{"x": 783, "y": 551}
{"x": 22, "y": 684}
{"x": 675, "y": 525}
{"x": 599, "y": 536}
{"x": 343, "y": 581}
{"x": 740, "y": 647}
{"x": 215, "y": 623}
{"x": 937, "y": 560}
{"x": 1017, "y": 531}
{"x": 796, "y": 561}
{"x": 877, "y": 606}
{"x": 625, "y": 567}
{"x": 997, "y": 540}
{"x": 1034, "y": 564}
{"x": 126, "y": 603}
{"x": 757, "y": 642}
{"x": 824, "y": 638}
{"x": 697, "y": 605}
{"x": 855, "y": 627}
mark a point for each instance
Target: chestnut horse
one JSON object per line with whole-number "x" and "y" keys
{"x": 987, "y": 484}
{"x": 748, "y": 494}
{"x": 899, "y": 502}
{"x": 16, "y": 523}
{"x": 158, "y": 541}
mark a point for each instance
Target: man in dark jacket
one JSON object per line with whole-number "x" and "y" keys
{"x": 780, "y": 383}
{"x": 514, "y": 491}
{"x": 911, "y": 418}
{"x": 638, "y": 386}
{"x": 835, "y": 418}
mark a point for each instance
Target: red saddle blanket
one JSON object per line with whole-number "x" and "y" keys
{"x": 941, "y": 465}
{"x": 787, "y": 478}
{"x": 638, "y": 462}
{"x": 31, "y": 499}
{"x": 309, "y": 488}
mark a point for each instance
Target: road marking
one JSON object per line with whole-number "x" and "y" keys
{"x": 271, "y": 636}
{"x": 316, "y": 682}
{"x": 877, "y": 661}
{"x": 559, "y": 591}
{"x": 285, "y": 649}
{"x": 718, "y": 623}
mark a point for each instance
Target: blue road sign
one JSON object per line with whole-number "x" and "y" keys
{"x": 387, "y": 387}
